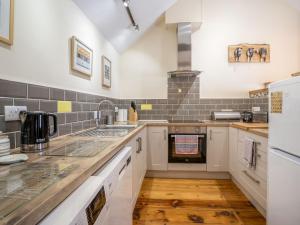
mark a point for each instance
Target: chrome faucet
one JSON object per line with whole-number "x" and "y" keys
{"x": 99, "y": 110}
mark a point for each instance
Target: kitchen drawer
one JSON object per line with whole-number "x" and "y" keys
{"x": 261, "y": 163}
{"x": 263, "y": 142}
{"x": 255, "y": 186}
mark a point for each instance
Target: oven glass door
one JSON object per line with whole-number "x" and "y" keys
{"x": 187, "y": 154}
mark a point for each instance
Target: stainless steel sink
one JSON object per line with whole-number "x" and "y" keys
{"x": 110, "y": 131}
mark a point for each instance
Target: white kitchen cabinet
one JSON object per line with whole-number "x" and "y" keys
{"x": 233, "y": 151}
{"x": 217, "y": 149}
{"x": 157, "y": 148}
{"x": 253, "y": 180}
{"x": 139, "y": 162}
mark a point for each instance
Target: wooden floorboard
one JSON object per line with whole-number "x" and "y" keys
{"x": 193, "y": 201}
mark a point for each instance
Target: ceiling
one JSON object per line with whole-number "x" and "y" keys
{"x": 111, "y": 18}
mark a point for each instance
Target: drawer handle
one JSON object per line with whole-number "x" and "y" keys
{"x": 252, "y": 178}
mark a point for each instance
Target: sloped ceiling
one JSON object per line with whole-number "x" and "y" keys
{"x": 113, "y": 22}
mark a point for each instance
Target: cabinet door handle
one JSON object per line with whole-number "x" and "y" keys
{"x": 252, "y": 178}
{"x": 138, "y": 146}
{"x": 141, "y": 144}
{"x": 210, "y": 134}
{"x": 165, "y": 135}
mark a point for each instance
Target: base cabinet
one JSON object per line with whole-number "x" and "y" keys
{"x": 253, "y": 181}
{"x": 157, "y": 148}
{"x": 139, "y": 162}
{"x": 233, "y": 152}
{"x": 217, "y": 149}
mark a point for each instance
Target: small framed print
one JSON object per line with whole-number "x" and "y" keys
{"x": 6, "y": 21}
{"x": 81, "y": 57}
{"x": 106, "y": 72}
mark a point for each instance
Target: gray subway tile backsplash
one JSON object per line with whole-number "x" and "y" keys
{"x": 48, "y": 106}
{"x": 70, "y": 96}
{"x": 71, "y": 117}
{"x": 4, "y": 102}
{"x": 38, "y": 92}
{"x": 64, "y": 129}
{"x": 57, "y": 94}
{"x": 32, "y": 105}
{"x": 13, "y": 89}
{"x": 183, "y": 103}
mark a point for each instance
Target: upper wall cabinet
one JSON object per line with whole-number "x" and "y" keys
{"x": 184, "y": 11}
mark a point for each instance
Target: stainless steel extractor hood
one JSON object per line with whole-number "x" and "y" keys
{"x": 184, "y": 49}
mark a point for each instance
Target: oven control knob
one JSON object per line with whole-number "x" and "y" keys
{"x": 176, "y": 130}
{"x": 187, "y": 160}
{"x": 197, "y": 130}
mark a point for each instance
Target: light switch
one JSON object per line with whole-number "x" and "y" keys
{"x": 12, "y": 112}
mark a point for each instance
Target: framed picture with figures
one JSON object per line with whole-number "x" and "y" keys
{"x": 106, "y": 72}
{"x": 81, "y": 57}
{"x": 6, "y": 21}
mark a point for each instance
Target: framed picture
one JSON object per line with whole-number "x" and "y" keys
{"x": 6, "y": 21}
{"x": 81, "y": 57}
{"x": 106, "y": 72}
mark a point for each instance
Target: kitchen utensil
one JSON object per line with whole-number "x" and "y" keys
{"x": 237, "y": 54}
{"x": 35, "y": 130}
{"x": 11, "y": 159}
{"x": 250, "y": 53}
{"x": 248, "y": 117}
{"x": 133, "y": 105}
{"x": 263, "y": 52}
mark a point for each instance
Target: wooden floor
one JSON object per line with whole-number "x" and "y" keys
{"x": 190, "y": 201}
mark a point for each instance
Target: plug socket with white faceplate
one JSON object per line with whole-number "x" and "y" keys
{"x": 12, "y": 112}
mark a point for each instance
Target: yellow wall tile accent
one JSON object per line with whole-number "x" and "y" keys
{"x": 64, "y": 106}
{"x": 146, "y": 107}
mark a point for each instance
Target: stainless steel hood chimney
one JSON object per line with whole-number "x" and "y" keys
{"x": 184, "y": 48}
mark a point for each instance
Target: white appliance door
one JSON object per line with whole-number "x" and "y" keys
{"x": 285, "y": 126}
{"x": 283, "y": 189}
{"x": 120, "y": 212}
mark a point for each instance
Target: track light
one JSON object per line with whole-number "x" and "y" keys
{"x": 134, "y": 24}
{"x": 126, "y": 3}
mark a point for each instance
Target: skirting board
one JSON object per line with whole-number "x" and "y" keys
{"x": 252, "y": 200}
{"x": 188, "y": 174}
{"x": 187, "y": 167}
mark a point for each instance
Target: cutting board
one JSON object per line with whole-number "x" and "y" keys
{"x": 246, "y": 126}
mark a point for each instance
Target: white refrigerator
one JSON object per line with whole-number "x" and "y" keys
{"x": 283, "y": 204}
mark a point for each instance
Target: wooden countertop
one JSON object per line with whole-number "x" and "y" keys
{"x": 27, "y": 198}
{"x": 260, "y": 129}
{"x": 66, "y": 173}
{"x": 247, "y": 126}
{"x": 260, "y": 132}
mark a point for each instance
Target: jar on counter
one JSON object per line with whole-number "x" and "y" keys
{"x": 4, "y": 145}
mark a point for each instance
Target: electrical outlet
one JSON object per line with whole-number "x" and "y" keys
{"x": 256, "y": 109}
{"x": 12, "y": 112}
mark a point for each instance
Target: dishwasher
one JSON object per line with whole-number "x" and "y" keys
{"x": 103, "y": 199}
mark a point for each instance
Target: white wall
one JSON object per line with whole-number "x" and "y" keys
{"x": 275, "y": 22}
{"x": 41, "y": 52}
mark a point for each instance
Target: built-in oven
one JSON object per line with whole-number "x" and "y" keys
{"x": 187, "y": 144}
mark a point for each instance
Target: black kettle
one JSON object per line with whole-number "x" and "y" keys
{"x": 35, "y": 130}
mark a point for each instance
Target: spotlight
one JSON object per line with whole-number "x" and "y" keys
{"x": 126, "y": 3}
